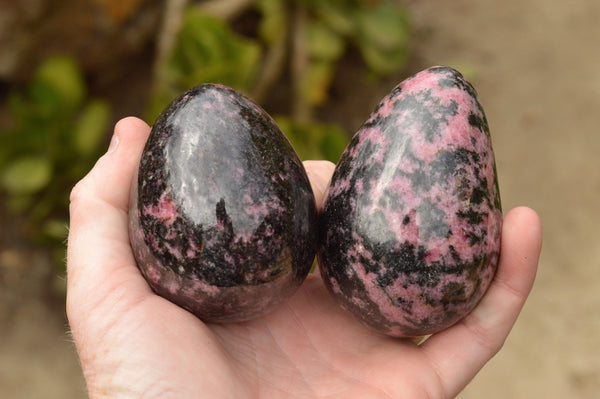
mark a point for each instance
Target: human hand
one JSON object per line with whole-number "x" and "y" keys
{"x": 133, "y": 343}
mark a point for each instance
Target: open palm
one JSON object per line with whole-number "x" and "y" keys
{"x": 133, "y": 343}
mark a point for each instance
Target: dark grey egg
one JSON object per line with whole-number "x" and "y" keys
{"x": 222, "y": 217}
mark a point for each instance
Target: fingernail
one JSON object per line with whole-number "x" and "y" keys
{"x": 114, "y": 142}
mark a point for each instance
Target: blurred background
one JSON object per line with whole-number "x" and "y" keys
{"x": 70, "y": 69}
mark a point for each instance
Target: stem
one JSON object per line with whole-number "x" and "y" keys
{"x": 301, "y": 109}
{"x": 167, "y": 35}
{"x": 272, "y": 69}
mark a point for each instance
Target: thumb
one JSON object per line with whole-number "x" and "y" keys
{"x": 99, "y": 258}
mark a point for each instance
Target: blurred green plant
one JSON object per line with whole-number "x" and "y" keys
{"x": 206, "y": 50}
{"x": 305, "y": 39}
{"x": 314, "y": 140}
{"x": 55, "y": 135}
{"x": 56, "y": 131}
{"x": 380, "y": 30}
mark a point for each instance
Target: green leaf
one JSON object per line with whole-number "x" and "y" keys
{"x": 91, "y": 127}
{"x": 316, "y": 82}
{"x": 295, "y": 135}
{"x": 382, "y": 62}
{"x": 63, "y": 75}
{"x": 162, "y": 96}
{"x": 55, "y": 229}
{"x": 314, "y": 140}
{"x": 338, "y": 15}
{"x": 206, "y": 51}
{"x": 273, "y": 23}
{"x": 209, "y": 51}
{"x": 334, "y": 142}
{"x": 324, "y": 43}
{"x": 26, "y": 175}
{"x": 384, "y": 26}
{"x": 383, "y": 36}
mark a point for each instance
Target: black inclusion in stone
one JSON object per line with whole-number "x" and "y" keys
{"x": 453, "y": 78}
{"x": 478, "y": 122}
{"x": 479, "y": 194}
{"x": 473, "y": 217}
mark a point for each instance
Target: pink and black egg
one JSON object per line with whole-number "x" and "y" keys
{"x": 410, "y": 231}
{"x": 222, "y": 215}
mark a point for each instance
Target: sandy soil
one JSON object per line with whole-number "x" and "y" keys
{"x": 535, "y": 65}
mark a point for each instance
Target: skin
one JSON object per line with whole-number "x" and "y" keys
{"x": 133, "y": 343}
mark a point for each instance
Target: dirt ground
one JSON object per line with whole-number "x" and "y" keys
{"x": 535, "y": 66}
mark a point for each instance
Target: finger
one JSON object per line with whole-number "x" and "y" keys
{"x": 319, "y": 173}
{"x": 99, "y": 257}
{"x": 110, "y": 179}
{"x": 460, "y": 352}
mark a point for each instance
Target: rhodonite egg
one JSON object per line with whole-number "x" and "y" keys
{"x": 222, "y": 217}
{"x": 410, "y": 231}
